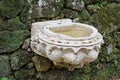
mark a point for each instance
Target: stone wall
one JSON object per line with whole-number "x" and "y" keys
{"x": 18, "y": 62}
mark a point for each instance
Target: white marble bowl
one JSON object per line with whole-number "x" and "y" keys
{"x": 66, "y": 43}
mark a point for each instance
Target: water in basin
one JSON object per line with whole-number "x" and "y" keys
{"x": 73, "y": 31}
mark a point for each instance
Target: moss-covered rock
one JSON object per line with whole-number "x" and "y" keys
{"x": 108, "y": 23}
{"x": 93, "y": 8}
{"x": 84, "y": 16}
{"x": 55, "y": 74}
{"x": 20, "y": 58}
{"x": 25, "y": 14}
{"x": 107, "y": 18}
{"x": 4, "y": 66}
{"x": 12, "y": 24}
{"x": 11, "y": 8}
{"x": 75, "y": 4}
{"x": 11, "y": 40}
{"x": 41, "y": 63}
{"x": 23, "y": 73}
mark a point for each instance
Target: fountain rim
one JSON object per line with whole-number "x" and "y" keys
{"x": 47, "y": 37}
{"x": 48, "y": 32}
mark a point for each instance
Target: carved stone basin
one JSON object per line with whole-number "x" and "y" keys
{"x": 66, "y": 43}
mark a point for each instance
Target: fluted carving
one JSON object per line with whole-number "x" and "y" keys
{"x": 66, "y": 50}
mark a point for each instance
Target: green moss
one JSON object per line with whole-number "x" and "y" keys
{"x": 12, "y": 24}
{"x": 11, "y": 8}
{"x": 3, "y": 78}
{"x": 84, "y": 16}
{"x": 34, "y": 1}
{"x": 23, "y": 73}
{"x": 87, "y": 69}
{"x": 106, "y": 19}
{"x": 93, "y": 8}
{"x": 25, "y": 14}
{"x": 4, "y": 66}
{"x": 10, "y": 77}
{"x": 10, "y": 41}
{"x": 68, "y": 13}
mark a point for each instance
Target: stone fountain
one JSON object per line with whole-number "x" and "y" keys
{"x": 66, "y": 43}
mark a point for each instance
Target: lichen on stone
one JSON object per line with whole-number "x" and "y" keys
{"x": 46, "y": 8}
{"x": 19, "y": 58}
{"x": 75, "y": 4}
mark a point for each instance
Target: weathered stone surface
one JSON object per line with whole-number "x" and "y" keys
{"x": 11, "y": 8}
{"x": 75, "y": 4}
{"x": 41, "y": 63}
{"x": 26, "y": 44}
{"x": 46, "y": 8}
{"x": 22, "y": 74}
{"x": 4, "y": 66}
{"x": 10, "y": 41}
{"x": 67, "y": 13}
{"x": 11, "y": 24}
{"x": 19, "y": 58}
{"x": 106, "y": 19}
